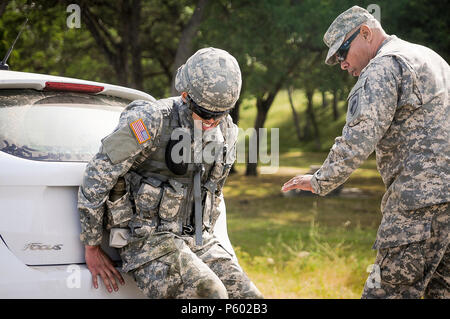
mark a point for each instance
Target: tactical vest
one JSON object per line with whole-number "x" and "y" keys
{"x": 162, "y": 192}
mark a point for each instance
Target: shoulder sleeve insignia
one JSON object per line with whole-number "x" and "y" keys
{"x": 140, "y": 131}
{"x": 354, "y": 109}
{"x": 354, "y": 103}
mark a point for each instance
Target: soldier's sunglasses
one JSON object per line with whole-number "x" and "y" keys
{"x": 204, "y": 113}
{"x": 341, "y": 53}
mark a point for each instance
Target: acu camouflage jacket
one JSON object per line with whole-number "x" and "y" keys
{"x": 399, "y": 107}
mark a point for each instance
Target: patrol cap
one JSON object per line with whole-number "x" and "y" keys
{"x": 212, "y": 78}
{"x": 341, "y": 26}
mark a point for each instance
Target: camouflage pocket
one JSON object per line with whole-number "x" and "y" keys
{"x": 140, "y": 252}
{"x": 118, "y": 237}
{"x": 148, "y": 198}
{"x": 172, "y": 199}
{"x": 211, "y": 210}
{"x": 119, "y": 212}
{"x": 403, "y": 265}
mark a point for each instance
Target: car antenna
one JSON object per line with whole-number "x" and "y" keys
{"x": 3, "y": 65}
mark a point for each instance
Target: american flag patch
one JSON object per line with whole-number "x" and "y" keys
{"x": 140, "y": 131}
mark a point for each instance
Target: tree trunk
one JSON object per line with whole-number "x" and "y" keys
{"x": 312, "y": 117}
{"x": 335, "y": 105}
{"x": 263, "y": 106}
{"x": 184, "y": 50}
{"x": 135, "y": 46}
{"x": 294, "y": 115}
{"x": 324, "y": 99}
{"x": 252, "y": 168}
{"x": 3, "y": 5}
{"x": 124, "y": 31}
{"x": 115, "y": 52}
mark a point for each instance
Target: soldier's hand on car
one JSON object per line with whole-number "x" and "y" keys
{"x": 99, "y": 263}
{"x": 302, "y": 182}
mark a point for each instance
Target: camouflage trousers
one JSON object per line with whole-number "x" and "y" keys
{"x": 208, "y": 271}
{"x": 415, "y": 270}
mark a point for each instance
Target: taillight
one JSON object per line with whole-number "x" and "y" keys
{"x": 73, "y": 87}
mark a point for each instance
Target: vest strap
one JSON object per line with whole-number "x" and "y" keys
{"x": 198, "y": 205}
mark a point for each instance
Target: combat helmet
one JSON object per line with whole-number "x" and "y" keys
{"x": 212, "y": 79}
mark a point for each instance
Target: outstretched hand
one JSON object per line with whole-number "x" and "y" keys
{"x": 302, "y": 182}
{"x": 99, "y": 263}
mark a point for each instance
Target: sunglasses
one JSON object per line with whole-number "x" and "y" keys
{"x": 204, "y": 113}
{"x": 341, "y": 53}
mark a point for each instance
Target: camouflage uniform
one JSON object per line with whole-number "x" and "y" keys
{"x": 417, "y": 269}
{"x": 399, "y": 108}
{"x": 153, "y": 213}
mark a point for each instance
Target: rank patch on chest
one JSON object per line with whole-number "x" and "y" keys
{"x": 140, "y": 131}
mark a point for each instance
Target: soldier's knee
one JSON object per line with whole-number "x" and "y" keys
{"x": 437, "y": 290}
{"x": 211, "y": 288}
{"x": 253, "y": 292}
{"x": 245, "y": 291}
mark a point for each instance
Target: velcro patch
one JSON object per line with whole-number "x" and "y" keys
{"x": 354, "y": 104}
{"x": 353, "y": 109}
{"x": 140, "y": 131}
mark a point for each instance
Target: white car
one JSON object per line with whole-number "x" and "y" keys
{"x": 50, "y": 127}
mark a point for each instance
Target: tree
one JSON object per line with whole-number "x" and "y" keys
{"x": 143, "y": 51}
{"x": 3, "y": 5}
{"x": 114, "y": 32}
{"x": 184, "y": 50}
{"x": 295, "y": 117}
{"x": 420, "y": 21}
{"x": 270, "y": 39}
{"x": 140, "y": 43}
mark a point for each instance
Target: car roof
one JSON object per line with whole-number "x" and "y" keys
{"x": 25, "y": 80}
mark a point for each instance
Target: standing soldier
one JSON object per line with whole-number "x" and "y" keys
{"x": 399, "y": 108}
{"x": 159, "y": 198}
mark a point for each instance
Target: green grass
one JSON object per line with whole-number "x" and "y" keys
{"x": 282, "y": 242}
{"x": 308, "y": 246}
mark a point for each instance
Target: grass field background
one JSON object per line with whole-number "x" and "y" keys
{"x": 303, "y": 246}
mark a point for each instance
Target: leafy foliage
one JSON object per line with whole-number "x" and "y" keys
{"x": 278, "y": 43}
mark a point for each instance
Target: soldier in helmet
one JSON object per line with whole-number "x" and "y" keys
{"x": 157, "y": 191}
{"x": 399, "y": 107}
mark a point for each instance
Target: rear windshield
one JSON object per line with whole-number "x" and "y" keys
{"x": 56, "y": 126}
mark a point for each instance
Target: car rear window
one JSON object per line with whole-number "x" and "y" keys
{"x": 56, "y": 126}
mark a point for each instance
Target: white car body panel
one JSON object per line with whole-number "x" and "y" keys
{"x": 22, "y": 80}
{"x": 18, "y": 280}
{"x": 16, "y": 171}
{"x": 40, "y": 251}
